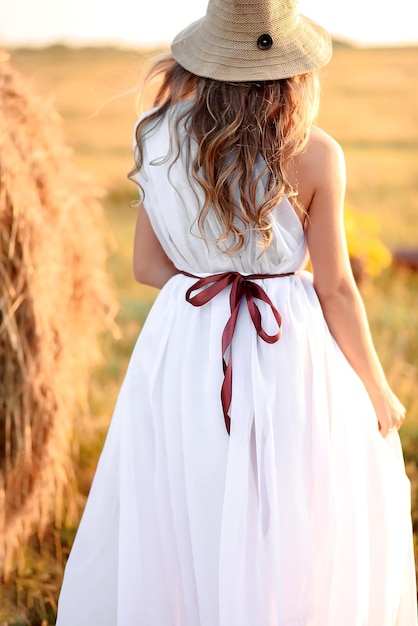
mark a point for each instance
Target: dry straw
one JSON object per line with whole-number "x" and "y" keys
{"x": 54, "y": 301}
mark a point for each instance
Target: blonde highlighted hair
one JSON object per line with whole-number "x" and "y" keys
{"x": 233, "y": 125}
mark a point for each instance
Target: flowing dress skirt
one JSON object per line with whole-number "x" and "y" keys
{"x": 301, "y": 517}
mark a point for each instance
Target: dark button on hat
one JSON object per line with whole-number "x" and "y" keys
{"x": 264, "y": 42}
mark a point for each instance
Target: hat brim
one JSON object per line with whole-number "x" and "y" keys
{"x": 307, "y": 48}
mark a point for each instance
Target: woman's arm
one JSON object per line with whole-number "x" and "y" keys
{"x": 333, "y": 279}
{"x": 151, "y": 265}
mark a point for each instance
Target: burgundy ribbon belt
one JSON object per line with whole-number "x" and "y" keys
{"x": 209, "y": 287}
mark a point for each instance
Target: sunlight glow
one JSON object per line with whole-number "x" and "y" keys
{"x": 129, "y": 23}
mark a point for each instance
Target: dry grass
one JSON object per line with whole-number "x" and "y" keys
{"x": 54, "y": 300}
{"x": 370, "y": 105}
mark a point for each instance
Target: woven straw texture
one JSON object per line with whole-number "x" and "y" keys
{"x": 223, "y": 44}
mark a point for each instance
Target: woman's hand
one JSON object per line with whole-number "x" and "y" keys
{"x": 390, "y": 412}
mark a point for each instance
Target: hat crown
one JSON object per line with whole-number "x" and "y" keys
{"x": 244, "y": 20}
{"x": 241, "y": 40}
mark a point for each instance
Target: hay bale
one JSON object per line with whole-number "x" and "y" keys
{"x": 54, "y": 301}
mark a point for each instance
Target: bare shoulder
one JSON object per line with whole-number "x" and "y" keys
{"x": 321, "y": 149}
{"x": 320, "y": 166}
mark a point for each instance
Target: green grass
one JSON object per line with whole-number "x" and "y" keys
{"x": 370, "y": 104}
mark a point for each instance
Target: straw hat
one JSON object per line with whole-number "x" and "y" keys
{"x": 246, "y": 40}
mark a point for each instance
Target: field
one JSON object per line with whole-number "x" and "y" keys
{"x": 369, "y": 104}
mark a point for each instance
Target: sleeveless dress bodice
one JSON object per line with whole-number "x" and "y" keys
{"x": 174, "y": 219}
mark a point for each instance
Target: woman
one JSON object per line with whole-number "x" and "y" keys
{"x": 252, "y": 474}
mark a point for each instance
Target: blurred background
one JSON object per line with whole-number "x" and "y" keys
{"x": 74, "y": 69}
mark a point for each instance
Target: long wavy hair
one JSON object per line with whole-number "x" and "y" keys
{"x": 233, "y": 125}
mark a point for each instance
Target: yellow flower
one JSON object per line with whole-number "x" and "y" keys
{"x": 364, "y": 244}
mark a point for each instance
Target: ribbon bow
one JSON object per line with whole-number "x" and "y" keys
{"x": 209, "y": 287}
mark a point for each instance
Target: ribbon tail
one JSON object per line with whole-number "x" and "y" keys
{"x": 226, "y": 395}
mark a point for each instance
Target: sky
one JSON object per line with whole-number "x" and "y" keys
{"x": 141, "y": 23}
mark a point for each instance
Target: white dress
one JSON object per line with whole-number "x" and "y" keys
{"x": 299, "y": 517}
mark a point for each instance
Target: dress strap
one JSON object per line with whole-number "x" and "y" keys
{"x": 241, "y": 286}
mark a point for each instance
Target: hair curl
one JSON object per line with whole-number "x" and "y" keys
{"x": 233, "y": 125}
